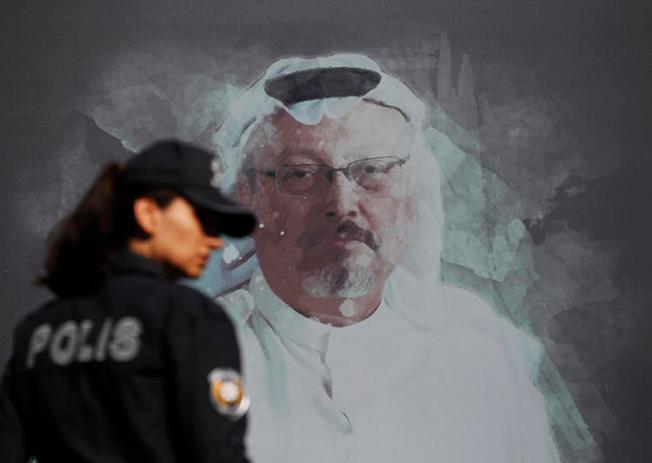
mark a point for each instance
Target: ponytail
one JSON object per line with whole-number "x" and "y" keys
{"x": 79, "y": 247}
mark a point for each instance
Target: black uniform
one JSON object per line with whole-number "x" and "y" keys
{"x": 145, "y": 371}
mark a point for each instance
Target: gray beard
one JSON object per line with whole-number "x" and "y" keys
{"x": 337, "y": 281}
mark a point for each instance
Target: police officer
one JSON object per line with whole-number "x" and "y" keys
{"x": 125, "y": 364}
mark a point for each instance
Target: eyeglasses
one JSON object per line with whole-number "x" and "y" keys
{"x": 372, "y": 174}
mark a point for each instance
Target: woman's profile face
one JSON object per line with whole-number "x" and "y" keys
{"x": 178, "y": 241}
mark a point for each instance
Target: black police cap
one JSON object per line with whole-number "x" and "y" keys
{"x": 193, "y": 172}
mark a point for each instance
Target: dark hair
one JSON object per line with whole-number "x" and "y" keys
{"x": 80, "y": 247}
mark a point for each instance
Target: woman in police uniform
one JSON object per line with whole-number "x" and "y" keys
{"x": 126, "y": 365}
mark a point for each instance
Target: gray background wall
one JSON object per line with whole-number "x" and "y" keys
{"x": 553, "y": 100}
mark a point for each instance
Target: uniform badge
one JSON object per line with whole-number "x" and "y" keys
{"x": 227, "y": 393}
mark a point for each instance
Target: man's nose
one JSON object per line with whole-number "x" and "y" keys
{"x": 342, "y": 198}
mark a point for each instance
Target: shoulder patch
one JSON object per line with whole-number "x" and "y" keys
{"x": 227, "y": 393}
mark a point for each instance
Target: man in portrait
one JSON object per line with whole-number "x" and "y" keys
{"x": 354, "y": 350}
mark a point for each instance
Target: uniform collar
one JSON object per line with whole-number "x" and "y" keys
{"x": 129, "y": 262}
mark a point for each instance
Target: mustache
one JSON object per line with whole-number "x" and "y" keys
{"x": 348, "y": 229}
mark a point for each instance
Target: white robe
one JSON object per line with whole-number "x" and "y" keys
{"x": 386, "y": 389}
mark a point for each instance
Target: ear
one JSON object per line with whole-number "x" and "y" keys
{"x": 147, "y": 214}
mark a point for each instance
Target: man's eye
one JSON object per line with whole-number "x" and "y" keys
{"x": 371, "y": 169}
{"x": 296, "y": 180}
{"x": 301, "y": 173}
{"x": 377, "y": 168}
{"x": 297, "y": 173}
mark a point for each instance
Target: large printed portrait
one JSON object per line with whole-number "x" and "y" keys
{"x": 452, "y": 258}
